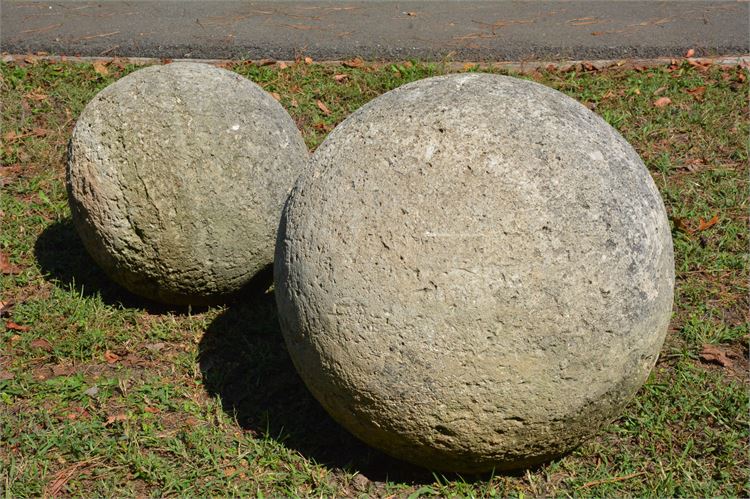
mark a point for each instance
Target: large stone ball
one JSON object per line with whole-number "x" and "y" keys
{"x": 177, "y": 176}
{"x": 475, "y": 272}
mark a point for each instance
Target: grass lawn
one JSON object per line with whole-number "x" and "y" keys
{"x": 106, "y": 394}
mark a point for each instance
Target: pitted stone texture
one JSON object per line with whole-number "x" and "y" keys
{"x": 474, "y": 272}
{"x": 177, "y": 175}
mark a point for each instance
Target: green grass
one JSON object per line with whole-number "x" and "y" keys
{"x": 106, "y": 394}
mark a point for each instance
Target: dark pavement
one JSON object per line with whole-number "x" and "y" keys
{"x": 460, "y": 30}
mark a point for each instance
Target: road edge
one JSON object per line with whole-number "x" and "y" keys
{"x": 516, "y": 66}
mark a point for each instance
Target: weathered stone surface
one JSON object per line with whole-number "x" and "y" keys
{"x": 474, "y": 272}
{"x": 177, "y": 175}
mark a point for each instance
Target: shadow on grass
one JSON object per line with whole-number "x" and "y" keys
{"x": 64, "y": 261}
{"x": 244, "y": 361}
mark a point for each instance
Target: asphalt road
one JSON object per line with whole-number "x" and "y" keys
{"x": 330, "y": 30}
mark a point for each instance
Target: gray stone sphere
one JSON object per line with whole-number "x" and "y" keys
{"x": 177, "y": 176}
{"x": 474, "y": 272}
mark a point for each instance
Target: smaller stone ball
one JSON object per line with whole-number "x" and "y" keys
{"x": 475, "y": 272}
{"x": 176, "y": 177}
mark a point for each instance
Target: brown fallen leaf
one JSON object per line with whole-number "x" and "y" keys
{"x": 294, "y": 102}
{"x": 6, "y": 267}
{"x": 699, "y": 65}
{"x": 43, "y": 373}
{"x": 354, "y": 63}
{"x": 6, "y": 375}
{"x": 115, "y": 417}
{"x": 11, "y": 135}
{"x": 276, "y": 96}
{"x": 697, "y": 92}
{"x": 36, "y": 132}
{"x": 132, "y": 360}
{"x": 42, "y": 344}
{"x": 340, "y": 77}
{"x": 224, "y": 64}
{"x": 190, "y": 421}
{"x": 152, "y": 410}
{"x": 111, "y": 357}
{"x": 308, "y": 60}
{"x": 716, "y": 355}
{"x": 660, "y": 90}
{"x": 60, "y": 370}
{"x": 12, "y": 326}
{"x": 61, "y": 478}
{"x": 690, "y": 53}
{"x": 5, "y": 307}
{"x": 682, "y": 225}
{"x": 36, "y": 95}
{"x": 101, "y": 68}
{"x": 10, "y": 171}
{"x": 692, "y": 165}
{"x": 707, "y": 224}
{"x": 323, "y": 108}
{"x": 662, "y": 101}
{"x": 283, "y": 65}
{"x": 587, "y": 66}
{"x": 119, "y": 63}
{"x": 78, "y": 413}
